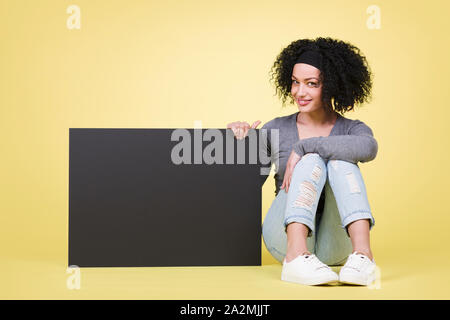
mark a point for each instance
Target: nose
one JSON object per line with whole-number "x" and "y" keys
{"x": 301, "y": 91}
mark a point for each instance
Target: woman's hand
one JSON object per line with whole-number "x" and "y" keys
{"x": 240, "y": 129}
{"x": 290, "y": 165}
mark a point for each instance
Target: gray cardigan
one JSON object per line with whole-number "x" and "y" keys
{"x": 349, "y": 140}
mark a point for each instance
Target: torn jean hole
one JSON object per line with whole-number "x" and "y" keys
{"x": 316, "y": 173}
{"x": 306, "y": 196}
{"x": 352, "y": 183}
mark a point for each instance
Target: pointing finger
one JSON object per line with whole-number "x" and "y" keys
{"x": 255, "y": 124}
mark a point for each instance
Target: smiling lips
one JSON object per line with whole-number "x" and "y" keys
{"x": 303, "y": 102}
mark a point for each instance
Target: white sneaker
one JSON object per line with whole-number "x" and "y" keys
{"x": 308, "y": 270}
{"x": 358, "y": 269}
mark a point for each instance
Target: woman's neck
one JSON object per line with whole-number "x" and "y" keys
{"x": 318, "y": 118}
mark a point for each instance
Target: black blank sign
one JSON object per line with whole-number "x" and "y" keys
{"x": 131, "y": 206}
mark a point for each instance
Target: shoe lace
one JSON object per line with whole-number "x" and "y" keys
{"x": 312, "y": 258}
{"x": 355, "y": 261}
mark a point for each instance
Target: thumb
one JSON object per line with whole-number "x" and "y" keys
{"x": 255, "y": 124}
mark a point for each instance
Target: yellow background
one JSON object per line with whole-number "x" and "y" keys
{"x": 166, "y": 64}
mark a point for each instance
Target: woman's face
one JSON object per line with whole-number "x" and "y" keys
{"x": 306, "y": 87}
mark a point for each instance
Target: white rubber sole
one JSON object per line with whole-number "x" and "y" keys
{"x": 324, "y": 279}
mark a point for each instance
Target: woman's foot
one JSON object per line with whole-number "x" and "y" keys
{"x": 366, "y": 252}
{"x": 291, "y": 255}
{"x": 359, "y": 269}
{"x": 307, "y": 269}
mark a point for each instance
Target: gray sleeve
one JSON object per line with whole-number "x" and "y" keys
{"x": 358, "y": 145}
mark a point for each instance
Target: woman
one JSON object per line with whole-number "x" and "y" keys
{"x": 320, "y": 215}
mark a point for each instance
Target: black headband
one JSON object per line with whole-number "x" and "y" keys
{"x": 311, "y": 57}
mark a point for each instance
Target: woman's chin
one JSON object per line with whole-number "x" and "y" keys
{"x": 303, "y": 108}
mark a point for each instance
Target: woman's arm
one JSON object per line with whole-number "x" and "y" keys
{"x": 358, "y": 145}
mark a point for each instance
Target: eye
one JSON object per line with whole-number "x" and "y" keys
{"x": 293, "y": 80}
{"x": 313, "y": 83}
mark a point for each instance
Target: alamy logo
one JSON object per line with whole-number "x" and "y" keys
{"x": 259, "y": 147}
{"x": 377, "y": 283}
{"x": 74, "y": 20}
{"x": 74, "y": 280}
{"x": 374, "y": 20}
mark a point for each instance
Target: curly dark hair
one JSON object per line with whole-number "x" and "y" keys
{"x": 345, "y": 74}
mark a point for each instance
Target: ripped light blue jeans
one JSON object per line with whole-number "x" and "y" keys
{"x": 345, "y": 201}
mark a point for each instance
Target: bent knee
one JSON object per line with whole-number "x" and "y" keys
{"x": 312, "y": 158}
{"x": 342, "y": 165}
{"x": 314, "y": 164}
